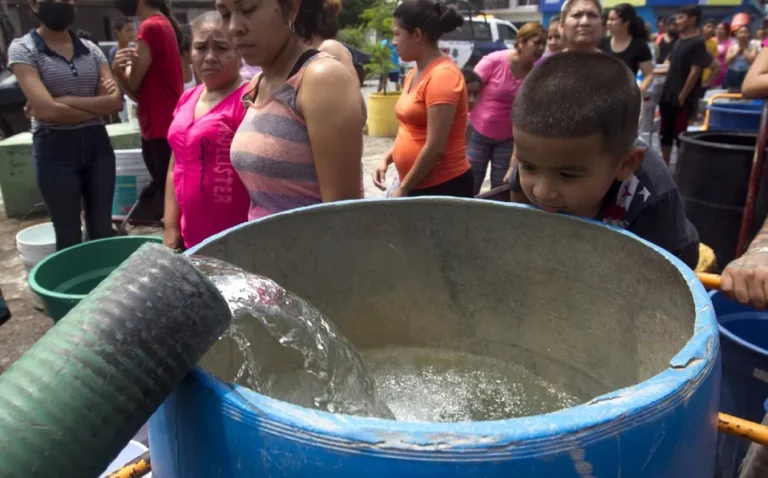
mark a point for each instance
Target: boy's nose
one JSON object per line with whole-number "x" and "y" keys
{"x": 543, "y": 190}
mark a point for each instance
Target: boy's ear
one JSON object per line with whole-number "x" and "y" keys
{"x": 630, "y": 162}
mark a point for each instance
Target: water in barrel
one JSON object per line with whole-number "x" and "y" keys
{"x": 282, "y": 346}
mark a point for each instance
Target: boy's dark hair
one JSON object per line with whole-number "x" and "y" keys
{"x": 710, "y": 21}
{"x": 691, "y": 11}
{"x": 470, "y": 76}
{"x": 120, "y": 23}
{"x": 605, "y": 100}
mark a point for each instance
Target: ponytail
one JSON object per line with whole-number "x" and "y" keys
{"x": 162, "y": 6}
{"x": 636, "y": 24}
{"x": 637, "y": 29}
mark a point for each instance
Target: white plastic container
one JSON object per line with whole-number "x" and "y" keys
{"x": 132, "y": 176}
{"x": 131, "y": 112}
{"x": 35, "y": 243}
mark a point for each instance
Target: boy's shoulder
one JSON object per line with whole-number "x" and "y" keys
{"x": 649, "y": 184}
{"x": 649, "y": 205}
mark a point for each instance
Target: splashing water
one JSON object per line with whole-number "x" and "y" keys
{"x": 334, "y": 377}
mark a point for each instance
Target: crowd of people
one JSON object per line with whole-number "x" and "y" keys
{"x": 559, "y": 117}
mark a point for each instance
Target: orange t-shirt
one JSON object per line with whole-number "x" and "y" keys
{"x": 442, "y": 83}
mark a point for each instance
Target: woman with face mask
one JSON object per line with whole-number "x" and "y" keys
{"x": 70, "y": 89}
{"x": 151, "y": 75}
{"x": 301, "y": 141}
{"x": 204, "y": 194}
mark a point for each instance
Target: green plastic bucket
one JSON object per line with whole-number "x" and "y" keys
{"x": 66, "y": 277}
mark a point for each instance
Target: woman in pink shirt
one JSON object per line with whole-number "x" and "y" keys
{"x": 204, "y": 194}
{"x": 502, "y": 73}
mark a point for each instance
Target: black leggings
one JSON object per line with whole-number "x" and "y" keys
{"x": 460, "y": 186}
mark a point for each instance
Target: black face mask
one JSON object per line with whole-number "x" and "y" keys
{"x": 127, "y": 7}
{"x": 56, "y": 16}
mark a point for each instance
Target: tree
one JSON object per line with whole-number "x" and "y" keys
{"x": 351, "y": 11}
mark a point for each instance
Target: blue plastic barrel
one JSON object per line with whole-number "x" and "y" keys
{"x": 744, "y": 339}
{"x": 741, "y": 116}
{"x": 588, "y": 307}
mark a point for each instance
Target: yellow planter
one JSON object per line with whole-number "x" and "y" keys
{"x": 382, "y": 121}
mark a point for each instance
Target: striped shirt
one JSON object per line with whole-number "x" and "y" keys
{"x": 78, "y": 77}
{"x": 271, "y": 151}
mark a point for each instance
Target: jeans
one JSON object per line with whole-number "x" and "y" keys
{"x": 74, "y": 167}
{"x": 482, "y": 149}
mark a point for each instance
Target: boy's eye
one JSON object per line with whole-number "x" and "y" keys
{"x": 527, "y": 167}
{"x": 566, "y": 175}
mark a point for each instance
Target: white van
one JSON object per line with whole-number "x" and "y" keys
{"x": 481, "y": 34}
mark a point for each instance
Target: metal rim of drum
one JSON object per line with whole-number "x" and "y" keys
{"x": 487, "y": 441}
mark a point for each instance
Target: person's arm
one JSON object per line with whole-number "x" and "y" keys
{"x": 139, "y": 67}
{"x": 645, "y": 63}
{"x": 108, "y": 103}
{"x": 714, "y": 67}
{"x": 647, "y": 68}
{"x": 441, "y": 97}
{"x": 379, "y": 174}
{"x": 340, "y": 52}
{"x": 756, "y": 82}
{"x": 485, "y": 67}
{"x": 171, "y": 217}
{"x": 751, "y": 54}
{"x": 731, "y": 53}
{"x": 328, "y": 86}
{"x": 746, "y": 278}
{"x": 700, "y": 60}
{"x": 43, "y": 106}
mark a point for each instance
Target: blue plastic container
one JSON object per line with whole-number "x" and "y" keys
{"x": 579, "y": 303}
{"x": 744, "y": 117}
{"x": 744, "y": 339}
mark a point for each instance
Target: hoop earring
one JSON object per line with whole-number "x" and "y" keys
{"x": 291, "y": 26}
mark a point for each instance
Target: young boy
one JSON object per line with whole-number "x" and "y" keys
{"x": 681, "y": 92}
{"x": 576, "y": 152}
{"x": 125, "y": 34}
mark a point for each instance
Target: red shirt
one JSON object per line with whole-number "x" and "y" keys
{"x": 162, "y": 86}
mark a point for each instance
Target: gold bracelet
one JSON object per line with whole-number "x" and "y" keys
{"x": 756, "y": 250}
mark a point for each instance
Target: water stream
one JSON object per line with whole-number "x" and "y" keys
{"x": 403, "y": 383}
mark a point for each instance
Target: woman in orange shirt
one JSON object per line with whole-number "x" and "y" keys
{"x": 429, "y": 151}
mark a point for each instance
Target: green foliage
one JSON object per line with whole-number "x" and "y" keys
{"x": 378, "y": 18}
{"x": 351, "y": 11}
{"x": 354, "y": 36}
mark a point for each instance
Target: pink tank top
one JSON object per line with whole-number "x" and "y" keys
{"x": 210, "y": 194}
{"x": 272, "y": 153}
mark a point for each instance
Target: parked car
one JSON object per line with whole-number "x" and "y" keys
{"x": 480, "y": 35}
{"x": 12, "y": 101}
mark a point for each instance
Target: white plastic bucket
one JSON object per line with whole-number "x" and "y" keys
{"x": 132, "y": 176}
{"x": 35, "y": 243}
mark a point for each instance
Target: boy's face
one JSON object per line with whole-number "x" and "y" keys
{"x": 126, "y": 34}
{"x": 685, "y": 22}
{"x": 570, "y": 175}
{"x": 473, "y": 91}
{"x": 708, "y": 30}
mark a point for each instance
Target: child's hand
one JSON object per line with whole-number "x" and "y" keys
{"x": 107, "y": 86}
{"x": 124, "y": 59}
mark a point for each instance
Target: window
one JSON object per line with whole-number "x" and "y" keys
{"x": 506, "y": 33}
{"x": 527, "y": 3}
{"x": 470, "y": 31}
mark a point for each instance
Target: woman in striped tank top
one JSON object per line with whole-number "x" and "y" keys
{"x": 301, "y": 140}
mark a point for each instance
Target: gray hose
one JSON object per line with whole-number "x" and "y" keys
{"x": 73, "y": 400}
